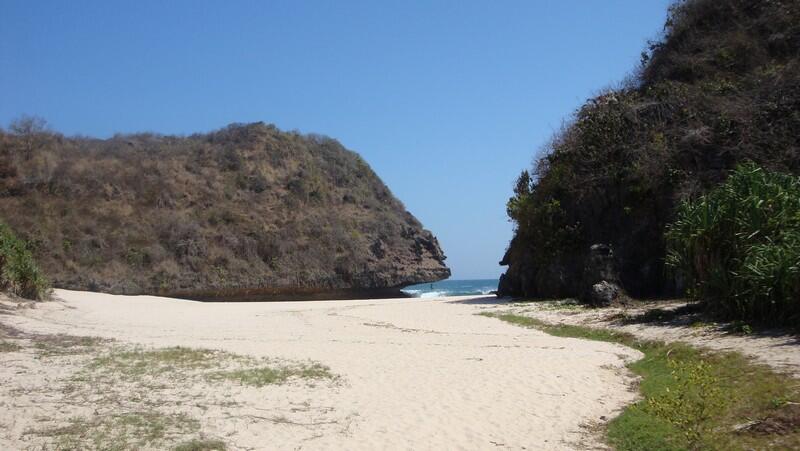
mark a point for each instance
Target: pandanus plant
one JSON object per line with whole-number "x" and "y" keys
{"x": 739, "y": 246}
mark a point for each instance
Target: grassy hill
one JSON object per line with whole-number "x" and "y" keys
{"x": 245, "y": 211}
{"x": 720, "y": 87}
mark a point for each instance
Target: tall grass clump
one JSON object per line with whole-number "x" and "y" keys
{"x": 19, "y": 274}
{"x": 739, "y": 246}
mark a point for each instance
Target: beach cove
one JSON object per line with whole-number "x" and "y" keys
{"x": 406, "y": 373}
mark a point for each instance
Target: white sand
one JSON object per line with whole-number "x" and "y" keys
{"x": 415, "y": 374}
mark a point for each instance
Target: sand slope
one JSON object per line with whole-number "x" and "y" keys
{"x": 415, "y": 374}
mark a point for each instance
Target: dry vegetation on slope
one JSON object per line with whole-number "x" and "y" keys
{"x": 245, "y": 210}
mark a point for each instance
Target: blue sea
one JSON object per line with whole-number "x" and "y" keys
{"x": 452, "y": 288}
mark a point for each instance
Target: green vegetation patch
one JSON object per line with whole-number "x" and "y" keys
{"x": 9, "y": 346}
{"x": 265, "y": 375}
{"x": 694, "y": 399}
{"x": 561, "y": 330}
{"x": 213, "y": 365}
{"x": 201, "y": 445}
{"x": 140, "y": 362}
{"x": 126, "y": 431}
{"x": 739, "y": 246}
{"x": 19, "y": 274}
{"x": 64, "y": 345}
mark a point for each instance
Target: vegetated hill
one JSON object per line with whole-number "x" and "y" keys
{"x": 721, "y": 86}
{"x": 247, "y": 211}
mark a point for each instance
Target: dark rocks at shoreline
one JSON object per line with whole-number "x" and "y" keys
{"x": 598, "y": 283}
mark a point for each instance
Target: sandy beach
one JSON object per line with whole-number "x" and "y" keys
{"x": 410, "y": 374}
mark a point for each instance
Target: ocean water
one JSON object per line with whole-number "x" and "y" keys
{"x": 452, "y": 288}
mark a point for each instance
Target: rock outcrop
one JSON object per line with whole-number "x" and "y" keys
{"x": 720, "y": 88}
{"x": 600, "y": 284}
{"x": 247, "y": 211}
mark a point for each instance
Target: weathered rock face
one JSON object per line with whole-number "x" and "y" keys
{"x": 602, "y": 293}
{"x": 597, "y": 284}
{"x": 525, "y": 278}
{"x": 244, "y": 211}
{"x": 600, "y": 265}
{"x": 600, "y": 284}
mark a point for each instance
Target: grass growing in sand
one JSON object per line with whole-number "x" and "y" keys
{"x": 201, "y": 445}
{"x": 114, "y": 396}
{"x": 63, "y": 345}
{"x": 140, "y": 362}
{"x": 258, "y": 377}
{"x": 694, "y": 399}
{"x": 213, "y": 365}
{"x": 132, "y": 430}
{"x": 8, "y": 346}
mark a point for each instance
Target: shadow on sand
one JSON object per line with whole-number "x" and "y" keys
{"x": 693, "y": 314}
{"x": 485, "y": 300}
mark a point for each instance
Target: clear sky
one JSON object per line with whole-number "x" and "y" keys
{"x": 447, "y": 100}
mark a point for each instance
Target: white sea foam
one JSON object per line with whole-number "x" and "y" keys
{"x": 452, "y": 288}
{"x": 433, "y": 294}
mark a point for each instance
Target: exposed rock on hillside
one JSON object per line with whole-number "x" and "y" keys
{"x": 720, "y": 88}
{"x": 246, "y": 211}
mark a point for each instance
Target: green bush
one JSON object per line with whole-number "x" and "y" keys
{"x": 739, "y": 246}
{"x": 541, "y": 221}
{"x": 18, "y": 272}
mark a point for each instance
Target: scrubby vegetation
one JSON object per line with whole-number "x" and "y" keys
{"x": 100, "y": 394}
{"x": 120, "y": 432}
{"x": 739, "y": 245}
{"x": 266, "y": 375}
{"x": 201, "y": 445}
{"x": 19, "y": 274}
{"x": 247, "y": 209}
{"x": 694, "y": 399}
{"x": 211, "y": 365}
{"x": 8, "y": 346}
{"x": 720, "y": 87}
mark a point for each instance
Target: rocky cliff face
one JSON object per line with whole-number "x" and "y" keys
{"x": 246, "y": 211}
{"x": 720, "y": 88}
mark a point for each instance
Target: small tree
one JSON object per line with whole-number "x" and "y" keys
{"x": 19, "y": 273}
{"x": 32, "y": 131}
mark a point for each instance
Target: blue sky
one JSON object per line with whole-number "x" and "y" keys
{"x": 447, "y": 100}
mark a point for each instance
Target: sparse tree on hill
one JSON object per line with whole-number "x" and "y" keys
{"x": 32, "y": 130}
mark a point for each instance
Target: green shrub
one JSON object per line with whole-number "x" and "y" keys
{"x": 541, "y": 220}
{"x": 18, "y": 272}
{"x": 739, "y": 246}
